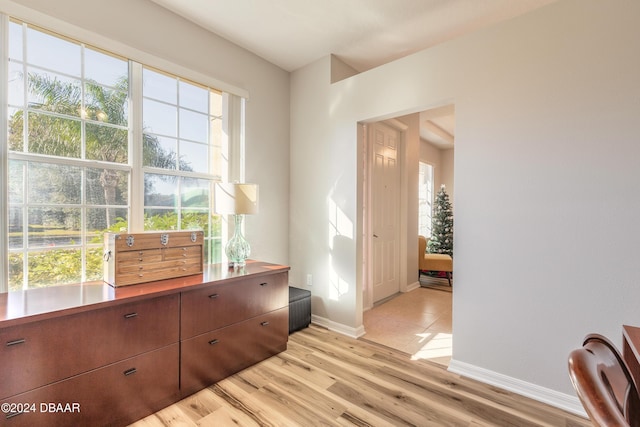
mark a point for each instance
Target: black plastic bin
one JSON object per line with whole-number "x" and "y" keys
{"x": 299, "y": 309}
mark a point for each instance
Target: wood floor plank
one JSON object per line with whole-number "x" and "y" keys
{"x": 417, "y": 399}
{"x": 169, "y": 416}
{"x": 327, "y": 379}
{"x": 353, "y": 415}
{"x": 302, "y": 394}
{"x": 249, "y": 404}
{"x": 304, "y": 370}
{"x": 225, "y": 416}
{"x": 386, "y": 396}
{"x": 199, "y": 405}
{"x": 489, "y": 397}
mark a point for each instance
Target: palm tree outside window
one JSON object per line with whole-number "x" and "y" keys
{"x": 69, "y": 144}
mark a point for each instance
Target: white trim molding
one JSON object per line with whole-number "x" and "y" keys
{"x": 4, "y": 160}
{"x": 554, "y": 398}
{"x": 338, "y": 327}
{"x": 411, "y": 287}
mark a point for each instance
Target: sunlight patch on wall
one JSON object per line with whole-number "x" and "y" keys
{"x": 339, "y": 286}
{"x": 340, "y": 224}
{"x": 340, "y": 246}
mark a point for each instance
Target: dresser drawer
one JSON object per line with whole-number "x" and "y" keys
{"x": 210, "y": 357}
{"x": 40, "y": 353}
{"x": 149, "y": 272}
{"x": 122, "y": 242}
{"x": 117, "y": 394}
{"x": 138, "y": 257}
{"x": 217, "y": 306}
{"x": 185, "y": 252}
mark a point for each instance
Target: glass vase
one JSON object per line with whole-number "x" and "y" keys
{"x": 237, "y": 248}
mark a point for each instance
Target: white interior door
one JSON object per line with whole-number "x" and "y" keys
{"x": 385, "y": 204}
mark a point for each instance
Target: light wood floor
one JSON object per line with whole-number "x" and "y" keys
{"x": 327, "y": 379}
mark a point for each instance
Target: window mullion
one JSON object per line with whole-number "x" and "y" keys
{"x": 4, "y": 162}
{"x": 136, "y": 199}
{"x": 233, "y": 130}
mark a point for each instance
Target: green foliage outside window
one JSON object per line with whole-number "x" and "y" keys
{"x": 62, "y": 121}
{"x": 62, "y": 266}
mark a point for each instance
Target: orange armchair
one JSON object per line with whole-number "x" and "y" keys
{"x": 433, "y": 262}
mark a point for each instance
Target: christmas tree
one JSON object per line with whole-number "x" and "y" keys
{"x": 441, "y": 241}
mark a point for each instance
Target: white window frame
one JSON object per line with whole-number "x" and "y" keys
{"x": 4, "y": 159}
{"x": 233, "y": 125}
{"x": 429, "y": 197}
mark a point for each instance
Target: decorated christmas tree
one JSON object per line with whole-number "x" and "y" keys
{"x": 441, "y": 241}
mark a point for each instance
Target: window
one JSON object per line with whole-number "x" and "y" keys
{"x": 182, "y": 143}
{"x": 425, "y": 199}
{"x": 72, "y": 140}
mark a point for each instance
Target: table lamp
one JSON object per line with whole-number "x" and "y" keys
{"x": 237, "y": 200}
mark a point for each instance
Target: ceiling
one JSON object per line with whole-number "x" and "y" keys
{"x": 362, "y": 33}
{"x": 437, "y": 126}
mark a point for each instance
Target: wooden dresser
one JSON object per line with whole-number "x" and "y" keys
{"x": 91, "y": 354}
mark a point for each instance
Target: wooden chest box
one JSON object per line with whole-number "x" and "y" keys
{"x": 135, "y": 258}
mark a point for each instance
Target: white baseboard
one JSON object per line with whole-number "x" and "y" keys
{"x": 554, "y": 398}
{"x": 412, "y": 286}
{"x": 338, "y": 327}
{"x": 562, "y": 401}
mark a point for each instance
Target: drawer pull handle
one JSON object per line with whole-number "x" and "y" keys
{"x": 130, "y": 315}
{"x": 264, "y": 323}
{"x": 263, "y": 284}
{"x": 130, "y": 372}
{"x": 214, "y": 341}
{"x": 214, "y": 296}
{"x": 16, "y": 342}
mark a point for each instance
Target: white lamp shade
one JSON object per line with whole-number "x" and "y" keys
{"x": 236, "y": 198}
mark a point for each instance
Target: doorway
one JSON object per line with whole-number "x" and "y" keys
{"x": 390, "y": 274}
{"x": 422, "y": 316}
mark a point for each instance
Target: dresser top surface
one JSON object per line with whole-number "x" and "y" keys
{"x": 40, "y": 303}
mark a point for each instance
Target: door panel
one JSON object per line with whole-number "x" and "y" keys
{"x": 385, "y": 206}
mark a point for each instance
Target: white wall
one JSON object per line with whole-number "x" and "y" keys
{"x": 323, "y": 196}
{"x": 447, "y": 171}
{"x": 118, "y": 25}
{"x": 409, "y": 198}
{"x": 547, "y": 181}
{"x": 442, "y": 162}
{"x": 430, "y": 154}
